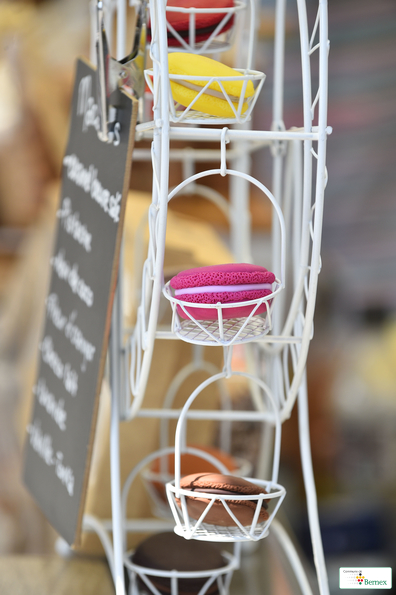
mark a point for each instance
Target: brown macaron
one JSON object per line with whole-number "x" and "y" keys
{"x": 227, "y": 485}
{"x": 190, "y": 463}
{"x": 167, "y": 551}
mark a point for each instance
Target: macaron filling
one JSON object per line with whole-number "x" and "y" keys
{"x": 222, "y": 288}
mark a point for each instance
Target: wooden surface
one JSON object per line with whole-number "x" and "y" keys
{"x": 52, "y": 575}
{"x": 264, "y": 571}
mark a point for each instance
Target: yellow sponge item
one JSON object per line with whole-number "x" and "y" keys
{"x": 212, "y": 101}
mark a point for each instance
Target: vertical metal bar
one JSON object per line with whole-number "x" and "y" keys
{"x": 102, "y": 54}
{"x": 240, "y": 219}
{"x": 161, "y": 140}
{"x": 115, "y": 478}
{"x": 288, "y": 547}
{"x": 277, "y": 124}
{"x": 121, "y": 29}
{"x": 310, "y": 490}
{"x": 279, "y": 56}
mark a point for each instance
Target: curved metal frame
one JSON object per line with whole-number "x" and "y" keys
{"x": 302, "y": 203}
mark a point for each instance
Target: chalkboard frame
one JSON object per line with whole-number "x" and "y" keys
{"x": 95, "y": 184}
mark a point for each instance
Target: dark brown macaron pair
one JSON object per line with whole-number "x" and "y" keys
{"x": 167, "y": 551}
{"x": 226, "y": 485}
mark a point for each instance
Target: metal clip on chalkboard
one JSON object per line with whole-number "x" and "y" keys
{"x": 127, "y": 73}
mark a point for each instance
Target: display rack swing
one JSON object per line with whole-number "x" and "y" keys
{"x": 224, "y": 329}
{"x": 275, "y": 493}
{"x": 298, "y": 183}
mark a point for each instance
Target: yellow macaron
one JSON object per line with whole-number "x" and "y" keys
{"x": 212, "y": 101}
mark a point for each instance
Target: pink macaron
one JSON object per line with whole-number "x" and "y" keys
{"x": 224, "y": 283}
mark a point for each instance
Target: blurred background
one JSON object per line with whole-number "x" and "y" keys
{"x": 352, "y": 362}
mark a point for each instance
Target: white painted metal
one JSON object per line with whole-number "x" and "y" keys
{"x": 222, "y": 576}
{"x": 288, "y": 547}
{"x": 297, "y": 192}
{"x": 198, "y": 529}
{"x": 114, "y": 347}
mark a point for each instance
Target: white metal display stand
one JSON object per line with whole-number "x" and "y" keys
{"x": 280, "y": 338}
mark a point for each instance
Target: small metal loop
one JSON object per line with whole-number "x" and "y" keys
{"x": 223, "y": 142}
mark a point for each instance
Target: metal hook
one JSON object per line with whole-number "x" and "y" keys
{"x": 127, "y": 73}
{"x": 223, "y": 142}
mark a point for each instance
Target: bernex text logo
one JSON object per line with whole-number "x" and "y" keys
{"x": 366, "y": 578}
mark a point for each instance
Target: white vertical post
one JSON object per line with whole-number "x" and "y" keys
{"x": 278, "y": 148}
{"x": 121, "y": 29}
{"x": 310, "y": 490}
{"x": 240, "y": 212}
{"x": 114, "y": 352}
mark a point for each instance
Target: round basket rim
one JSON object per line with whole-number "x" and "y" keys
{"x": 232, "y": 563}
{"x": 279, "y": 491}
{"x": 220, "y": 305}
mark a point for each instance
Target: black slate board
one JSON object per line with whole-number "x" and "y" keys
{"x": 84, "y": 263}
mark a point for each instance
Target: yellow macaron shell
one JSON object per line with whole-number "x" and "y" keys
{"x": 189, "y": 65}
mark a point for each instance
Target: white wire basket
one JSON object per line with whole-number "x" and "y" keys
{"x": 236, "y": 110}
{"x": 223, "y": 329}
{"x": 185, "y": 33}
{"x": 192, "y": 509}
{"x": 196, "y": 528}
{"x": 217, "y": 579}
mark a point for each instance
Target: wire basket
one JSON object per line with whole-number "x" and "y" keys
{"x": 231, "y": 520}
{"x": 228, "y": 323}
{"x": 185, "y": 33}
{"x": 193, "y": 528}
{"x": 222, "y": 328}
{"x": 236, "y": 109}
{"x": 217, "y": 580}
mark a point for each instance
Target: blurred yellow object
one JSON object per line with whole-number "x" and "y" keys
{"x": 14, "y": 16}
{"x": 378, "y": 363}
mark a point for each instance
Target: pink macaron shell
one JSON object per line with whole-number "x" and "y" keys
{"x": 224, "y": 298}
{"x": 222, "y": 274}
{"x": 227, "y": 313}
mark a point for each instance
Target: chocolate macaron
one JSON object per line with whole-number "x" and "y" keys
{"x": 164, "y": 468}
{"x": 167, "y": 551}
{"x": 223, "y": 485}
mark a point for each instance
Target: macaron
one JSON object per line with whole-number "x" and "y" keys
{"x": 224, "y": 283}
{"x": 167, "y": 551}
{"x": 212, "y": 101}
{"x": 189, "y": 463}
{"x": 205, "y": 22}
{"x": 227, "y": 485}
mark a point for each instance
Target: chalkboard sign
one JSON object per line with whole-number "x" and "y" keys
{"x": 73, "y": 348}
